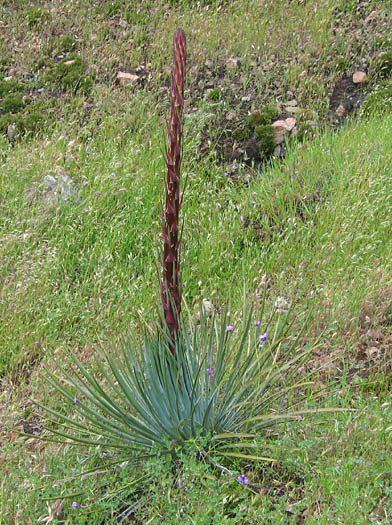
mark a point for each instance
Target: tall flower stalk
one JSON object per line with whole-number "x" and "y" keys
{"x": 170, "y": 287}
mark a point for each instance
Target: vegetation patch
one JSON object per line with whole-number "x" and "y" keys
{"x": 70, "y": 74}
{"x": 37, "y": 17}
{"x": 379, "y": 101}
{"x": 12, "y": 103}
{"x": 56, "y": 46}
{"x": 309, "y": 227}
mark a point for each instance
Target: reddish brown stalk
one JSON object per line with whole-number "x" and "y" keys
{"x": 170, "y": 288}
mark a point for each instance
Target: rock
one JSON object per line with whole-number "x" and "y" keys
{"x": 292, "y": 109}
{"x": 277, "y": 151}
{"x": 69, "y": 62}
{"x": 12, "y": 132}
{"x": 58, "y": 188}
{"x": 291, "y": 122}
{"x": 341, "y": 111}
{"x": 232, "y": 63}
{"x": 245, "y": 99}
{"x": 371, "y": 16}
{"x": 359, "y": 77}
{"x": 252, "y": 148}
{"x": 127, "y": 78}
{"x": 209, "y": 63}
{"x": 292, "y": 102}
{"x": 281, "y": 129}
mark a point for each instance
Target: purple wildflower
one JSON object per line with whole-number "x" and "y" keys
{"x": 254, "y": 203}
{"x": 209, "y": 371}
{"x": 229, "y": 328}
{"x": 75, "y": 400}
{"x": 243, "y": 479}
{"x": 257, "y": 323}
{"x": 226, "y": 174}
{"x": 263, "y": 337}
{"x": 184, "y": 284}
{"x": 75, "y": 504}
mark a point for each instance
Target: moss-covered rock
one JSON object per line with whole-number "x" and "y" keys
{"x": 14, "y": 121}
{"x": 10, "y": 86}
{"x": 12, "y": 103}
{"x": 70, "y": 74}
{"x": 264, "y": 135}
{"x": 242, "y": 133}
{"x": 32, "y": 119}
{"x": 262, "y": 117}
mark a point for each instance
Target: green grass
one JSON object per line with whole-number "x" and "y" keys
{"x": 315, "y": 225}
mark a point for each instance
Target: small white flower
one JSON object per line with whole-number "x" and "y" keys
{"x": 281, "y": 304}
{"x": 207, "y": 306}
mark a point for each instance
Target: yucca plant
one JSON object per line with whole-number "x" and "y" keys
{"x": 223, "y": 383}
{"x": 186, "y": 379}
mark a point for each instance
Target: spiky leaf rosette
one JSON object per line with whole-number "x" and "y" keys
{"x": 224, "y": 384}
{"x": 170, "y": 288}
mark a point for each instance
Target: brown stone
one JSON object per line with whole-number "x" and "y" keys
{"x": 359, "y": 77}
{"x": 292, "y": 109}
{"x": 232, "y": 63}
{"x": 127, "y": 78}
{"x": 281, "y": 128}
{"x": 291, "y": 122}
{"x": 341, "y": 111}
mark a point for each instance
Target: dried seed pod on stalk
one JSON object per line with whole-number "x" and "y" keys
{"x": 170, "y": 288}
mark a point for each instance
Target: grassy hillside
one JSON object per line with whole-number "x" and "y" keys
{"x": 80, "y": 191}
